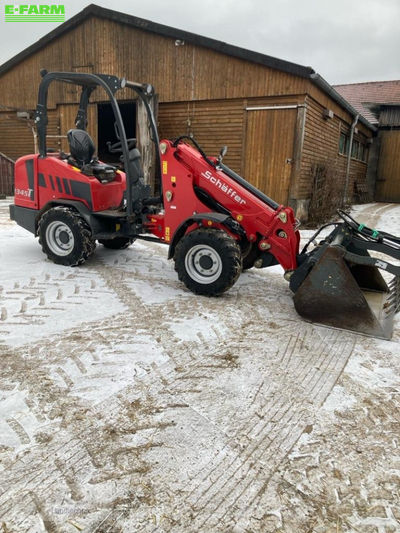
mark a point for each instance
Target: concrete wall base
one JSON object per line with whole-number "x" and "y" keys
{"x": 300, "y": 208}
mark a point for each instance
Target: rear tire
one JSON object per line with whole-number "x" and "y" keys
{"x": 119, "y": 243}
{"x": 65, "y": 237}
{"x": 208, "y": 261}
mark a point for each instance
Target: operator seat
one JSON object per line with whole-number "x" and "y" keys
{"x": 82, "y": 149}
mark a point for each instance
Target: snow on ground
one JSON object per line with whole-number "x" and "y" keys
{"x": 129, "y": 404}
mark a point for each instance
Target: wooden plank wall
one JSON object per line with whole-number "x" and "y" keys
{"x": 252, "y": 151}
{"x": 179, "y": 73}
{"x": 321, "y": 146}
{"x": 326, "y": 101}
{"x": 187, "y": 72}
{"x": 70, "y": 52}
{"x": 6, "y": 175}
{"x": 16, "y": 136}
{"x": 390, "y": 116}
{"x": 67, "y": 115}
{"x": 388, "y": 182}
{"x": 213, "y": 124}
{"x": 269, "y": 151}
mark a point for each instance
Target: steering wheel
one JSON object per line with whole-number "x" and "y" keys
{"x": 116, "y": 148}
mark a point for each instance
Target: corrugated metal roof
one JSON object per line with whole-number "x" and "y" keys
{"x": 362, "y": 95}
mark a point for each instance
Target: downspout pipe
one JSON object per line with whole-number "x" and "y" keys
{"x": 346, "y": 185}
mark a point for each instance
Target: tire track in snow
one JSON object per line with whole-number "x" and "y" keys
{"x": 40, "y": 483}
{"x": 267, "y": 426}
{"x": 220, "y": 481}
{"x": 371, "y": 214}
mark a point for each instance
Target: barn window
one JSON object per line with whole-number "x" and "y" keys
{"x": 363, "y": 152}
{"x": 343, "y": 144}
{"x": 354, "y": 149}
{"x": 359, "y": 150}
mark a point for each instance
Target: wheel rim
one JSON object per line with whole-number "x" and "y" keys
{"x": 203, "y": 264}
{"x": 60, "y": 238}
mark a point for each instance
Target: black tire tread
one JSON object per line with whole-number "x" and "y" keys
{"x": 87, "y": 245}
{"x": 231, "y": 255}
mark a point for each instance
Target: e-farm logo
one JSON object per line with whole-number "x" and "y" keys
{"x": 34, "y": 13}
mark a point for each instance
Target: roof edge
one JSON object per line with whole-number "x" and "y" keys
{"x": 160, "y": 29}
{"x": 320, "y": 82}
{"x": 37, "y": 45}
{"x": 205, "y": 42}
{"x": 364, "y": 83}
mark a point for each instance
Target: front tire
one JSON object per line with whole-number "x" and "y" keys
{"x": 65, "y": 237}
{"x": 208, "y": 261}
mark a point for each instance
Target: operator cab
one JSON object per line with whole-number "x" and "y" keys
{"x": 82, "y": 150}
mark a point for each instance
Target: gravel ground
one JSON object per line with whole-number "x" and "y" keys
{"x": 128, "y": 404}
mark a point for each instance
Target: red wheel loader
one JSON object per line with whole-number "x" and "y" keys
{"x": 213, "y": 220}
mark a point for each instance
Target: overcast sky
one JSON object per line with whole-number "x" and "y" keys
{"x": 345, "y": 41}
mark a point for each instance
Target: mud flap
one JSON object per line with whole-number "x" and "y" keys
{"x": 342, "y": 293}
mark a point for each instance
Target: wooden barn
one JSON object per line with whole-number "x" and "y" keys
{"x": 287, "y": 130}
{"x": 379, "y": 103}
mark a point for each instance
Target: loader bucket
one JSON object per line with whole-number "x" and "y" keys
{"x": 335, "y": 294}
{"x": 341, "y": 286}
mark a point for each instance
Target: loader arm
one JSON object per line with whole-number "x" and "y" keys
{"x": 337, "y": 284}
{"x": 193, "y": 184}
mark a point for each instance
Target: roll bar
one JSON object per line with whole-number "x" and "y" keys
{"x": 89, "y": 82}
